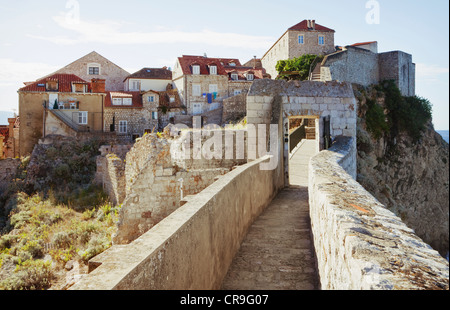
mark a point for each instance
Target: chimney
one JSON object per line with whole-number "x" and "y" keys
{"x": 308, "y": 24}
{"x": 98, "y": 85}
{"x": 313, "y": 24}
{"x": 254, "y": 62}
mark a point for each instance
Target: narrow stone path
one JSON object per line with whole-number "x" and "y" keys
{"x": 277, "y": 253}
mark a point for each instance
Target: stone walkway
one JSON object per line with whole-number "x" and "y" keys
{"x": 277, "y": 253}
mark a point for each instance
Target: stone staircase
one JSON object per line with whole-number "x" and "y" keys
{"x": 315, "y": 74}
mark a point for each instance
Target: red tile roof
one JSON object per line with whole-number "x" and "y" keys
{"x": 303, "y": 25}
{"x": 64, "y": 83}
{"x": 187, "y": 62}
{"x": 363, "y": 43}
{"x": 223, "y": 66}
{"x": 135, "y": 95}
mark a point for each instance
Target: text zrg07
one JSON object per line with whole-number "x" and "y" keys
{"x": 246, "y": 299}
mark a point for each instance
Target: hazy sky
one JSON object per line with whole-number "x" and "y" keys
{"x": 39, "y": 37}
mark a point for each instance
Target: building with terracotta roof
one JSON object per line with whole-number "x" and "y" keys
{"x": 60, "y": 104}
{"x": 203, "y": 82}
{"x": 149, "y": 79}
{"x": 358, "y": 63}
{"x": 306, "y": 37}
{"x": 95, "y": 66}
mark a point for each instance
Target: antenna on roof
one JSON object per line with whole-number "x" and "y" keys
{"x": 204, "y": 55}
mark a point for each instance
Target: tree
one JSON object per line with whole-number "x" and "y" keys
{"x": 296, "y": 68}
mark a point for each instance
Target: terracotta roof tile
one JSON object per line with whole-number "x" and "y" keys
{"x": 303, "y": 25}
{"x": 64, "y": 83}
{"x": 135, "y": 95}
{"x": 187, "y": 62}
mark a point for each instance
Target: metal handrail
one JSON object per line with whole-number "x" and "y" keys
{"x": 313, "y": 66}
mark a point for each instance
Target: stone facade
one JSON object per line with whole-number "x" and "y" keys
{"x": 354, "y": 65}
{"x": 290, "y": 46}
{"x": 234, "y": 108}
{"x": 107, "y": 70}
{"x": 365, "y": 67}
{"x": 32, "y": 115}
{"x": 398, "y": 66}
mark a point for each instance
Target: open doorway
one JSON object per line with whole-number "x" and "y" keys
{"x": 304, "y": 133}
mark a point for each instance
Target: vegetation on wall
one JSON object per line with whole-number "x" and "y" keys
{"x": 296, "y": 68}
{"x": 398, "y": 113}
{"x": 53, "y": 215}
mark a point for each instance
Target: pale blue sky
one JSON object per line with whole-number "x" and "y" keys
{"x": 39, "y": 37}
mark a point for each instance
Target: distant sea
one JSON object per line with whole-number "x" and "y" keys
{"x": 444, "y": 134}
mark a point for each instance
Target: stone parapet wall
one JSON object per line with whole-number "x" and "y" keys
{"x": 359, "y": 243}
{"x": 234, "y": 108}
{"x": 194, "y": 246}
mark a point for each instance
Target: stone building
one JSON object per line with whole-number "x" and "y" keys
{"x": 361, "y": 63}
{"x": 306, "y": 37}
{"x": 147, "y": 79}
{"x": 131, "y": 113}
{"x": 95, "y": 66}
{"x": 60, "y": 104}
{"x": 204, "y": 82}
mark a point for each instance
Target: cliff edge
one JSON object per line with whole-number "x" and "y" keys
{"x": 408, "y": 173}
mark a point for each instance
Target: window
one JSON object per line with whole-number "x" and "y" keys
{"x": 151, "y": 98}
{"x": 232, "y": 64}
{"x": 234, "y": 76}
{"x": 237, "y": 92}
{"x": 172, "y": 99}
{"x": 195, "y": 69}
{"x": 301, "y": 39}
{"x": 213, "y": 88}
{"x": 94, "y": 70}
{"x": 154, "y": 115}
{"x": 52, "y": 85}
{"x": 117, "y": 101}
{"x": 127, "y": 101}
{"x": 196, "y": 90}
{"x": 135, "y": 85}
{"x": 123, "y": 126}
{"x": 250, "y": 77}
{"x": 82, "y": 118}
{"x": 213, "y": 70}
{"x": 321, "y": 40}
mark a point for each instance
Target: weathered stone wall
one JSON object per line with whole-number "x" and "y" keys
{"x": 234, "y": 108}
{"x": 194, "y": 246}
{"x": 158, "y": 174}
{"x": 354, "y": 65}
{"x": 359, "y": 243}
{"x": 309, "y": 99}
{"x": 113, "y": 74}
{"x": 398, "y": 66}
{"x": 8, "y": 169}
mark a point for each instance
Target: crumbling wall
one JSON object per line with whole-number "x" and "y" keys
{"x": 158, "y": 174}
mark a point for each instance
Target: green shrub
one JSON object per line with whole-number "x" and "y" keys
{"x": 375, "y": 119}
{"x": 299, "y": 67}
{"x": 30, "y": 275}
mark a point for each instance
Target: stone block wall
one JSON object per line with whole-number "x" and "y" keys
{"x": 234, "y": 108}
{"x": 398, "y": 66}
{"x": 194, "y": 246}
{"x": 354, "y": 65}
{"x": 359, "y": 243}
{"x": 157, "y": 178}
